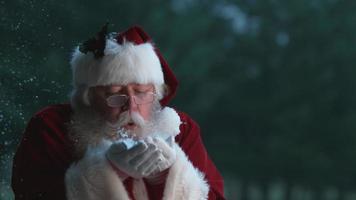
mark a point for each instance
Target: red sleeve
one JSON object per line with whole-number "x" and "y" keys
{"x": 190, "y": 141}
{"x": 41, "y": 160}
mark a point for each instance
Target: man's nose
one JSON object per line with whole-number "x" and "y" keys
{"x": 130, "y": 104}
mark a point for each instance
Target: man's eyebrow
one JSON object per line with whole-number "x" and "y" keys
{"x": 144, "y": 88}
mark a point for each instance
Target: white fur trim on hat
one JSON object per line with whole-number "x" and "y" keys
{"x": 121, "y": 64}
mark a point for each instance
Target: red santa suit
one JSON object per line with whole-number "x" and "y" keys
{"x": 46, "y": 167}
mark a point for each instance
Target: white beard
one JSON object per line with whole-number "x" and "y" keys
{"x": 88, "y": 128}
{"x": 143, "y": 126}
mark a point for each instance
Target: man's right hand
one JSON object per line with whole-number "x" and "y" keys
{"x": 137, "y": 162}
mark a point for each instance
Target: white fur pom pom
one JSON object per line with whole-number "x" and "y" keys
{"x": 169, "y": 122}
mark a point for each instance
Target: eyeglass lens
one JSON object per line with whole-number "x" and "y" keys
{"x": 120, "y": 100}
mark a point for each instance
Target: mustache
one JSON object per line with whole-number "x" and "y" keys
{"x": 130, "y": 117}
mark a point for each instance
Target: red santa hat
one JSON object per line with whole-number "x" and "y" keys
{"x": 127, "y": 57}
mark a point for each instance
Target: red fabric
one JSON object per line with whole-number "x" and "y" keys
{"x": 128, "y": 183}
{"x": 155, "y": 185}
{"x": 43, "y": 156}
{"x": 155, "y": 191}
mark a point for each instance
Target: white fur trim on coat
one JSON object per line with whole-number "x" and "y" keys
{"x": 184, "y": 181}
{"x": 92, "y": 178}
{"x": 121, "y": 64}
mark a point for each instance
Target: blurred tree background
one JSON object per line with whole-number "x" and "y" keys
{"x": 271, "y": 82}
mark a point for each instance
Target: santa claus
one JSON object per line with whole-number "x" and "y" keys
{"x": 117, "y": 139}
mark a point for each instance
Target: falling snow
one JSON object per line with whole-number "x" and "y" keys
{"x": 31, "y": 77}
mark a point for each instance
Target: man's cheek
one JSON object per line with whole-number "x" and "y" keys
{"x": 146, "y": 113}
{"x": 113, "y": 113}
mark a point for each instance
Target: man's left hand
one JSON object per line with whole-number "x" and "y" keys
{"x": 168, "y": 156}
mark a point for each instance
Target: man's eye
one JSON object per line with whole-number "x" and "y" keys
{"x": 108, "y": 94}
{"x": 141, "y": 91}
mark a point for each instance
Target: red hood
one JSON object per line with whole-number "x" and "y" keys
{"x": 137, "y": 35}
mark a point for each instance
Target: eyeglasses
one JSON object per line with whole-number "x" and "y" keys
{"x": 119, "y": 100}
